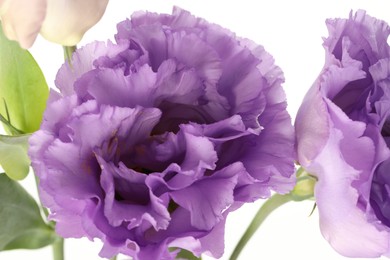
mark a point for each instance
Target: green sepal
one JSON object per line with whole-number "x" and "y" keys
{"x": 185, "y": 254}
{"x": 13, "y": 156}
{"x": 22, "y": 226}
{"x": 304, "y": 187}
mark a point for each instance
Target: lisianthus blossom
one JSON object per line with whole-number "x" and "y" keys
{"x": 342, "y": 132}
{"x": 154, "y": 139}
{"x": 59, "y": 21}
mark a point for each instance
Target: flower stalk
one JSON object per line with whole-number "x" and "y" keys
{"x": 265, "y": 210}
{"x": 68, "y": 52}
{"x": 303, "y": 190}
{"x": 58, "y": 249}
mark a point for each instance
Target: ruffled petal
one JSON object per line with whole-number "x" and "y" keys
{"x": 206, "y": 199}
{"x": 127, "y": 198}
{"x": 82, "y": 62}
{"x": 365, "y": 32}
{"x": 156, "y": 142}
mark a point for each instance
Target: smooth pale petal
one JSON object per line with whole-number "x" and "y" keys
{"x": 339, "y": 135}
{"x": 340, "y": 216}
{"x": 22, "y": 19}
{"x": 311, "y": 126}
{"x": 345, "y": 221}
{"x": 66, "y": 21}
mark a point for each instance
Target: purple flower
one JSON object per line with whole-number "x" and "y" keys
{"x": 343, "y": 134}
{"x": 154, "y": 139}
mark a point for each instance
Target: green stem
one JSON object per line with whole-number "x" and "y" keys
{"x": 58, "y": 249}
{"x": 68, "y": 51}
{"x": 270, "y": 205}
{"x": 113, "y": 258}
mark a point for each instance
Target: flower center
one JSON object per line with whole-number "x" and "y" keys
{"x": 176, "y": 114}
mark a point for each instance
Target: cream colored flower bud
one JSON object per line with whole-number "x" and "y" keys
{"x": 67, "y": 20}
{"x": 59, "y": 21}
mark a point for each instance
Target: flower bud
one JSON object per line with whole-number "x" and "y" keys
{"x": 59, "y": 21}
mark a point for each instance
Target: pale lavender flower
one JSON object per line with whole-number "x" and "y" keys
{"x": 342, "y": 133}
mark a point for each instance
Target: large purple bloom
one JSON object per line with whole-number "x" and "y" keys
{"x": 153, "y": 140}
{"x": 343, "y": 134}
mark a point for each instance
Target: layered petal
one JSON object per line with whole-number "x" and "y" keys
{"x": 155, "y": 143}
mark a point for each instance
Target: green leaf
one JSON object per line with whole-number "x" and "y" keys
{"x": 10, "y": 127}
{"x": 13, "y": 156}
{"x": 22, "y": 86}
{"x": 185, "y": 254}
{"x": 22, "y": 225}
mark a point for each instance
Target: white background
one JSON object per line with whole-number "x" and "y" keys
{"x": 292, "y": 32}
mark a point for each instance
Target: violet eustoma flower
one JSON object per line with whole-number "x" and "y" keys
{"x": 154, "y": 139}
{"x": 59, "y": 21}
{"x": 342, "y": 132}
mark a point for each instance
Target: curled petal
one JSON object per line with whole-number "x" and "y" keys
{"x": 205, "y": 205}
{"x": 82, "y": 62}
{"x": 335, "y": 178}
